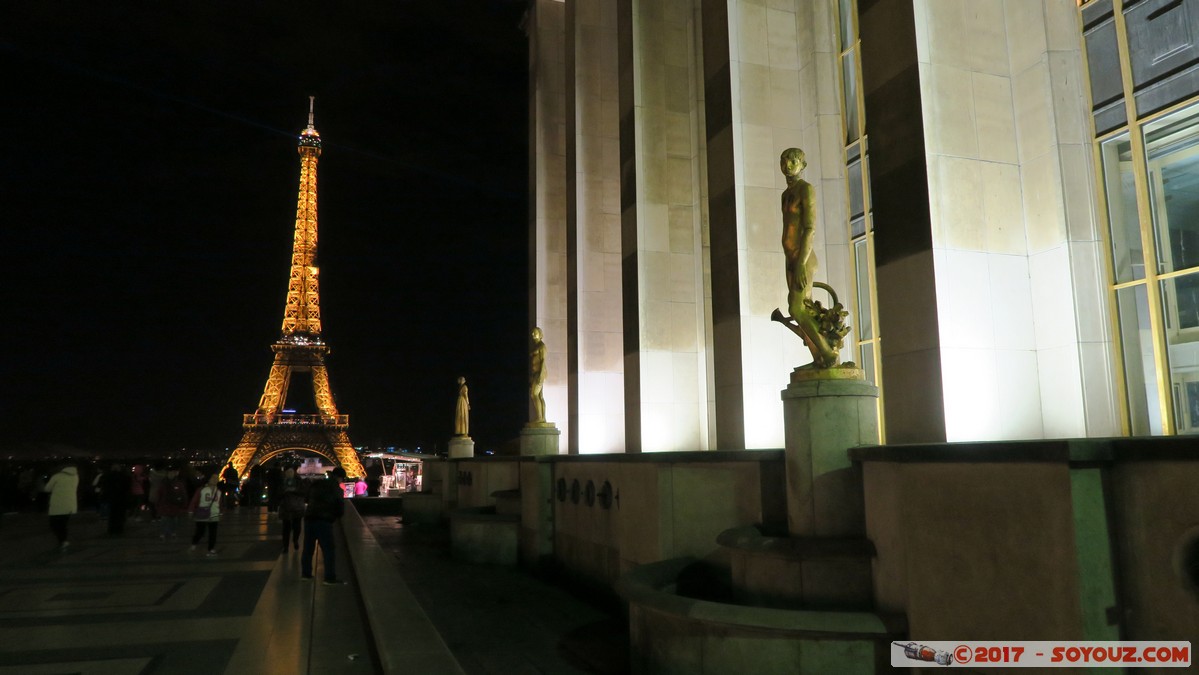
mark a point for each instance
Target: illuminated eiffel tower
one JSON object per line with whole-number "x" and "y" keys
{"x": 270, "y": 429}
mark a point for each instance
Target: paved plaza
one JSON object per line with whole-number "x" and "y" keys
{"x": 141, "y": 604}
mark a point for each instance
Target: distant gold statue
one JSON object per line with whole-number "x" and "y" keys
{"x": 537, "y": 378}
{"x": 462, "y": 412}
{"x": 821, "y": 328}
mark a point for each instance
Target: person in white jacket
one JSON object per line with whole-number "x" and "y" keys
{"x": 63, "y": 488}
{"x": 206, "y": 511}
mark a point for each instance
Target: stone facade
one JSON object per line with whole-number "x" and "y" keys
{"x": 656, "y": 129}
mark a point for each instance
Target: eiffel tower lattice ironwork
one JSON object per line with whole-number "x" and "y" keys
{"x": 270, "y": 430}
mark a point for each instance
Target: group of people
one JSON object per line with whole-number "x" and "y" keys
{"x": 307, "y": 508}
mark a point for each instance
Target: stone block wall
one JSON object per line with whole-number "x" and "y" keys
{"x": 675, "y": 505}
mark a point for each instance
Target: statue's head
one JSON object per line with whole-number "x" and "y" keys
{"x": 537, "y": 334}
{"x": 792, "y": 162}
{"x": 462, "y": 380}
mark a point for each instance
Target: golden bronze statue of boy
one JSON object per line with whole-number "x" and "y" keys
{"x": 822, "y": 329}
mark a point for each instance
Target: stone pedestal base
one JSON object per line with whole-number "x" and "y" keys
{"x": 822, "y": 419}
{"x": 539, "y": 439}
{"x": 462, "y": 446}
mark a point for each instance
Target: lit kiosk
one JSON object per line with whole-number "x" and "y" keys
{"x": 269, "y": 430}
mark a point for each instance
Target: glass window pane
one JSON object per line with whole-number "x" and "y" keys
{"x": 1180, "y": 304}
{"x": 867, "y": 363}
{"x": 857, "y": 227}
{"x": 1140, "y": 375}
{"x": 1172, "y": 145}
{"x": 861, "y": 259}
{"x": 845, "y": 8}
{"x": 1180, "y": 308}
{"x": 856, "y": 210}
{"x": 1128, "y": 255}
{"x": 849, "y": 75}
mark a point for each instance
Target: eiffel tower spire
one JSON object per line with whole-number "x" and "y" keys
{"x": 271, "y": 429}
{"x": 302, "y": 312}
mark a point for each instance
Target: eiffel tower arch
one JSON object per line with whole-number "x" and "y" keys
{"x": 271, "y": 429}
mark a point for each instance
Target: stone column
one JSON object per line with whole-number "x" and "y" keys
{"x": 823, "y": 418}
{"x": 661, "y": 227}
{"x": 548, "y": 283}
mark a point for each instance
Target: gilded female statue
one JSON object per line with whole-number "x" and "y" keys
{"x": 462, "y": 413}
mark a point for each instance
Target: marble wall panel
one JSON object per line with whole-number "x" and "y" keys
{"x": 986, "y": 37}
{"x": 1088, "y": 286}
{"x": 781, "y": 36}
{"x": 914, "y": 419}
{"x": 1078, "y": 191}
{"x": 1019, "y": 399}
{"x": 1034, "y": 118}
{"x": 1044, "y": 213}
{"x": 959, "y": 197}
{"x": 1062, "y": 25}
{"x": 752, "y": 24}
{"x": 1052, "y": 298}
{"x": 1011, "y": 302}
{"x": 1025, "y": 23}
{"x": 996, "y": 127}
{"x": 952, "y": 110}
{"x": 948, "y": 38}
{"x": 971, "y": 394}
{"x": 1061, "y": 391}
{"x": 1068, "y": 97}
{"x": 1003, "y": 212}
{"x": 1099, "y": 389}
{"x": 828, "y": 97}
{"x": 964, "y": 300}
{"x": 753, "y": 93}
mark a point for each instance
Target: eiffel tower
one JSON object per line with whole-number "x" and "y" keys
{"x": 270, "y": 430}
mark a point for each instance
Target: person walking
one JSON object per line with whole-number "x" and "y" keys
{"x": 172, "y": 503}
{"x": 291, "y": 507}
{"x": 230, "y": 481}
{"x": 63, "y": 488}
{"x": 206, "y": 511}
{"x": 116, "y": 488}
{"x": 325, "y": 506}
{"x": 138, "y": 490}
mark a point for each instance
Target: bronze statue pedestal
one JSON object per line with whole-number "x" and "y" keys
{"x": 462, "y": 446}
{"x": 824, "y": 415}
{"x": 539, "y": 438}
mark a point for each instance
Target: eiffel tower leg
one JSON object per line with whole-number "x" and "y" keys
{"x": 247, "y": 449}
{"x": 275, "y": 392}
{"x": 321, "y": 391}
{"x": 346, "y": 456}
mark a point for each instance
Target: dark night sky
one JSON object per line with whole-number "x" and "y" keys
{"x": 148, "y": 177}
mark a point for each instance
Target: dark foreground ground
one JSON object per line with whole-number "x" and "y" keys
{"x": 140, "y": 604}
{"x": 502, "y": 620}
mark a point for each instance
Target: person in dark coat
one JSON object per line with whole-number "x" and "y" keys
{"x": 116, "y": 488}
{"x": 274, "y": 488}
{"x": 291, "y": 507}
{"x": 325, "y": 507}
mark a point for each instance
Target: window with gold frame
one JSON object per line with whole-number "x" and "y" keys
{"x": 861, "y": 223}
{"x": 1146, "y": 123}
